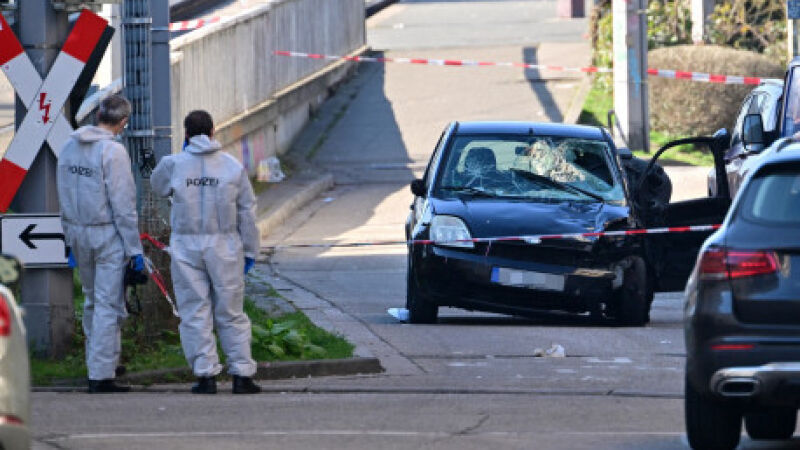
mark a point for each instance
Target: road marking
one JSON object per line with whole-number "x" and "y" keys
{"x": 617, "y": 360}
{"x": 348, "y": 433}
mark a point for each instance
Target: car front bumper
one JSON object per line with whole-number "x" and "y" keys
{"x": 454, "y": 277}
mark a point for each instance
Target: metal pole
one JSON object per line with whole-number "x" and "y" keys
{"x": 46, "y": 293}
{"x": 630, "y": 71}
{"x": 794, "y": 50}
{"x": 701, "y": 10}
{"x": 162, "y": 104}
{"x": 147, "y": 85}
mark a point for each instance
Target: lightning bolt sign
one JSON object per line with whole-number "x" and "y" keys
{"x": 45, "y": 108}
{"x": 49, "y": 97}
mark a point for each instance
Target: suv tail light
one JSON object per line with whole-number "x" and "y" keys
{"x": 5, "y": 317}
{"x": 721, "y": 264}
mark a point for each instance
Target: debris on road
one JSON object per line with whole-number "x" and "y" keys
{"x": 555, "y": 351}
{"x": 400, "y": 314}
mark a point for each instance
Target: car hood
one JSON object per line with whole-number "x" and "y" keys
{"x": 493, "y": 218}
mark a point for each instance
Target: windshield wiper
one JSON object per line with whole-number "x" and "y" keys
{"x": 469, "y": 190}
{"x": 557, "y": 184}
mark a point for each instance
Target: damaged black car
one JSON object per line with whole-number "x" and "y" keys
{"x": 516, "y": 179}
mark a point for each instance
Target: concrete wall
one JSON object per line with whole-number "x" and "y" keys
{"x": 261, "y": 101}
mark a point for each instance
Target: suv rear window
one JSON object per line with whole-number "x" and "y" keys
{"x": 773, "y": 196}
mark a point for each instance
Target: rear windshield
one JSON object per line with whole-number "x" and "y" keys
{"x": 534, "y": 168}
{"x": 773, "y": 196}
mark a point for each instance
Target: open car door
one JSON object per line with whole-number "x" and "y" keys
{"x": 672, "y": 256}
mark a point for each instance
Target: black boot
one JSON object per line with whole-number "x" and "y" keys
{"x": 106, "y": 386}
{"x": 205, "y": 385}
{"x": 245, "y": 385}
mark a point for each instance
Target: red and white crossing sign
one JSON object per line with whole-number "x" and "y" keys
{"x": 45, "y": 99}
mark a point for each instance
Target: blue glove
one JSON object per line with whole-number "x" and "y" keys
{"x": 138, "y": 263}
{"x": 248, "y": 264}
{"x": 71, "y": 259}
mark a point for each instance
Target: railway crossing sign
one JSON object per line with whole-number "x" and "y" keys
{"x": 45, "y": 98}
{"x": 37, "y": 240}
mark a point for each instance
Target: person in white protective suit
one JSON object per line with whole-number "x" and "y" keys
{"x": 101, "y": 230}
{"x": 213, "y": 245}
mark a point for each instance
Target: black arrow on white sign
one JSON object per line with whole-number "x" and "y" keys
{"x": 27, "y": 236}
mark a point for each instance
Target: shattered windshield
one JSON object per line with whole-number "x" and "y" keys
{"x": 541, "y": 168}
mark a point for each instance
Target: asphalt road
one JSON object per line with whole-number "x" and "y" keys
{"x": 471, "y": 381}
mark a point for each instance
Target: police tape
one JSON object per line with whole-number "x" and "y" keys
{"x": 187, "y": 25}
{"x": 530, "y": 239}
{"x": 159, "y": 281}
{"x": 661, "y": 73}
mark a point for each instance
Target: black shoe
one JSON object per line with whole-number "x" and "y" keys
{"x": 205, "y": 385}
{"x": 245, "y": 385}
{"x": 106, "y": 386}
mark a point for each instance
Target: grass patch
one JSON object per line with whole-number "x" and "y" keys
{"x": 286, "y": 338}
{"x": 595, "y": 111}
{"x": 595, "y": 108}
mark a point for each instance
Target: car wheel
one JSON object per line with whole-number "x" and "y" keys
{"x": 420, "y": 309}
{"x": 710, "y": 424}
{"x": 776, "y": 423}
{"x": 633, "y": 299}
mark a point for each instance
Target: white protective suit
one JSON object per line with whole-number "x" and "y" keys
{"x": 98, "y": 213}
{"x": 213, "y": 230}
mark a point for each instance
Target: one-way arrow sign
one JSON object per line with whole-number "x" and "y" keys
{"x": 37, "y": 240}
{"x": 27, "y": 237}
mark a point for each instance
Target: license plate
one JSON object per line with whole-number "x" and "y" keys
{"x": 527, "y": 279}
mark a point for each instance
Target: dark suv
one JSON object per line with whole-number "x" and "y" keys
{"x": 742, "y": 313}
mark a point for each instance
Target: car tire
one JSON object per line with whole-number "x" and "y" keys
{"x": 776, "y": 423}
{"x": 633, "y": 297}
{"x": 420, "y": 309}
{"x": 710, "y": 424}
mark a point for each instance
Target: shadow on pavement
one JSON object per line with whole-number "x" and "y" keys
{"x": 539, "y": 86}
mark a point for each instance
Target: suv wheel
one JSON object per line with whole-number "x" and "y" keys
{"x": 775, "y": 423}
{"x": 709, "y": 423}
{"x": 632, "y": 299}
{"x": 420, "y": 309}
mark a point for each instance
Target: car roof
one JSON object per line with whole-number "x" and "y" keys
{"x": 770, "y": 85}
{"x": 788, "y": 151}
{"x": 534, "y": 128}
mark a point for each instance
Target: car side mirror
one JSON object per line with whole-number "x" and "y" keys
{"x": 753, "y": 133}
{"x": 10, "y": 271}
{"x": 624, "y": 153}
{"x": 418, "y": 188}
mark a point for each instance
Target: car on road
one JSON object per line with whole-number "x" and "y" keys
{"x": 14, "y": 364}
{"x": 519, "y": 179}
{"x": 742, "y": 313}
{"x": 764, "y": 100}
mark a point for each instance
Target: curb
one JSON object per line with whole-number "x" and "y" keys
{"x": 268, "y": 222}
{"x": 375, "y": 6}
{"x": 576, "y": 106}
{"x": 279, "y": 370}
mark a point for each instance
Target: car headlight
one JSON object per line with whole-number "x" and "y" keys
{"x": 450, "y": 231}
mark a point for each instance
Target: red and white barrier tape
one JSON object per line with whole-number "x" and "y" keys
{"x": 675, "y": 74}
{"x": 187, "y": 25}
{"x": 158, "y": 279}
{"x": 532, "y": 239}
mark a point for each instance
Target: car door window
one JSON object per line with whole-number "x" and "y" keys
{"x": 791, "y": 119}
{"x": 737, "y": 127}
